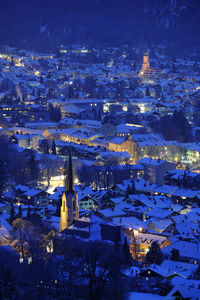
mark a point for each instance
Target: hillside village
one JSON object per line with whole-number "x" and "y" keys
{"x": 128, "y": 122}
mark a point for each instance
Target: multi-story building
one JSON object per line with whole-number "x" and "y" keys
{"x": 78, "y": 136}
{"x": 119, "y": 144}
{"x": 167, "y": 150}
{"x": 29, "y": 141}
{"x": 155, "y": 169}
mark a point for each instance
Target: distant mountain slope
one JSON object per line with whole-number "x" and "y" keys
{"x": 39, "y": 22}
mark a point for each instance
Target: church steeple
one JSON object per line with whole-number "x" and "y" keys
{"x": 69, "y": 182}
{"x": 69, "y": 210}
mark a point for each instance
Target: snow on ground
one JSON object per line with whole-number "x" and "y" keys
{"x": 144, "y": 296}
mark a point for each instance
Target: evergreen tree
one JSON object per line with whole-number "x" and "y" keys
{"x": 51, "y": 112}
{"x": 133, "y": 187}
{"x": 28, "y": 213}
{"x": 128, "y": 190}
{"x": 57, "y": 114}
{"x": 117, "y": 240}
{"x": 33, "y": 167}
{"x": 126, "y": 252}
{"x": 154, "y": 255}
{"x": 99, "y": 118}
{"x": 41, "y": 80}
{"x": 196, "y": 114}
{"x": 33, "y": 91}
{"x": 3, "y": 175}
{"x": 54, "y": 113}
{"x": 197, "y": 136}
{"x": 179, "y": 181}
{"x": 185, "y": 179}
{"x": 59, "y": 203}
{"x": 53, "y": 148}
{"x": 116, "y": 243}
{"x": 12, "y": 214}
{"x": 19, "y": 215}
{"x": 94, "y": 114}
{"x": 12, "y": 63}
{"x": 71, "y": 91}
{"x": 46, "y": 148}
{"x": 147, "y": 92}
{"x": 125, "y": 246}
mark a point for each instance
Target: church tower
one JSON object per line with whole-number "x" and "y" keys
{"x": 146, "y": 70}
{"x": 69, "y": 210}
{"x": 145, "y": 65}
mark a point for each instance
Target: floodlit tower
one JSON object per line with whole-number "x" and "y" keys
{"x": 145, "y": 65}
{"x": 69, "y": 210}
{"x": 146, "y": 71}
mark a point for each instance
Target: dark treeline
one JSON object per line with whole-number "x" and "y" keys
{"x": 37, "y": 23}
{"x": 16, "y": 167}
{"x": 175, "y": 127}
{"x": 80, "y": 270}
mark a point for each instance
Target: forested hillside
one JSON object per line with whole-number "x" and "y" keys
{"x": 40, "y": 23}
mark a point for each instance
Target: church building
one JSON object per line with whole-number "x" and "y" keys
{"x": 69, "y": 211}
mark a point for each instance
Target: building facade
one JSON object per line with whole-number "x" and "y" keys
{"x": 69, "y": 210}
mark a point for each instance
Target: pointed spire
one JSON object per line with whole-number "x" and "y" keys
{"x": 69, "y": 183}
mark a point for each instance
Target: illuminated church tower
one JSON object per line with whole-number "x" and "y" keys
{"x": 69, "y": 210}
{"x": 146, "y": 70}
{"x": 145, "y": 65}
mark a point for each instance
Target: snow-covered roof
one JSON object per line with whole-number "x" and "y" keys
{"x": 161, "y": 225}
{"x": 188, "y": 193}
{"x": 143, "y": 185}
{"x": 186, "y": 249}
{"x": 129, "y": 222}
{"x": 5, "y": 228}
{"x": 110, "y": 213}
{"x": 165, "y": 189}
{"x": 151, "y": 162}
{"x": 148, "y": 238}
{"x": 158, "y": 213}
{"x": 157, "y": 269}
{"x": 144, "y": 296}
{"x": 118, "y": 140}
{"x": 182, "y": 268}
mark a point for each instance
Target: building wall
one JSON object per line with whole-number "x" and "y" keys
{"x": 155, "y": 173}
{"x": 77, "y": 140}
{"x": 161, "y": 170}
{"x": 128, "y": 146}
{"x": 168, "y": 152}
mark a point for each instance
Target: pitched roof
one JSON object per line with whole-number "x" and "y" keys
{"x": 186, "y": 249}
{"x": 182, "y": 268}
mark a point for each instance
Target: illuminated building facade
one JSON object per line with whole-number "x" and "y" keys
{"x": 146, "y": 70}
{"x": 69, "y": 210}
